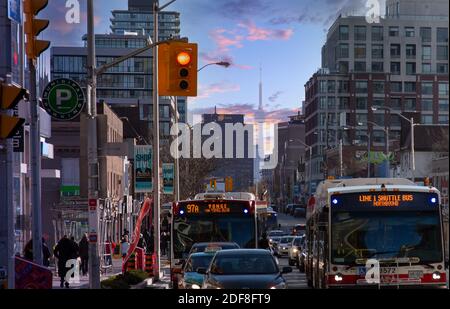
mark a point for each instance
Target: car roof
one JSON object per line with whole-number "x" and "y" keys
{"x": 201, "y": 254}
{"x": 243, "y": 252}
{"x": 197, "y": 244}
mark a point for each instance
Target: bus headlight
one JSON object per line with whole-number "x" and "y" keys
{"x": 195, "y": 286}
{"x": 436, "y": 275}
{"x": 338, "y": 277}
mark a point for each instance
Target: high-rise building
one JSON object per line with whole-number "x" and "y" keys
{"x": 400, "y": 63}
{"x": 126, "y": 87}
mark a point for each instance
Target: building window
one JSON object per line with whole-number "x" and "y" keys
{"x": 443, "y": 105}
{"x": 442, "y": 53}
{"x": 360, "y": 33}
{"x": 410, "y": 87}
{"x": 443, "y": 119}
{"x": 393, "y": 31}
{"x": 427, "y": 119}
{"x": 343, "y": 32}
{"x": 360, "y": 50}
{"x": 343, "y": 50}
{"x": 378, "y": 136}
{"x": 343, "y": 66}
{"x": 410, "y": 32}
{"x": 442, "y": 68}
{"x": 378, "y": 102}
{"x": 411, "y": 51}
{"x": 410, "y": 68}
{"x": 426, "y": 68}
{"x": 378, "y": 87}
{"x": 396, "y": 103}
{"x": 395, "y": 50}
{"x": 331, "y": 86}
{"x": 426, "y": 52}
{"x": 425, "y": 34}
{"x": 360, "y": 66}
{"x": 427, "y": 88}
{"x": 378, "y": 67}
{"x": 379, "y": 119}
{"x": 361, "y": 87}
{"x": 443, "y": 89}
{"x": 395, "y": 68}
{"x": 377, "y": 51}
{"x": 377, "y": 33}
{"x": 396, "y": 87}
{"x": 395, "y": 120}
{"x": 344, "y": 103}
{"x": 342, "y": 86}
{"x": 426, "y": 104}
{"x": 442, "y": 35}
{"x": 323, "y": 86}
{"x": 410, "y": 104}
{"x": 361, "y": 118}
{"x": 361, "y": 103}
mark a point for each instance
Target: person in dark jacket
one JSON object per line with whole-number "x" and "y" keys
{"x": 28, "y": 252}
{"x": 64, "y": 251}
{"x": 263, "y": 242}
{"x": 84, "y": 254}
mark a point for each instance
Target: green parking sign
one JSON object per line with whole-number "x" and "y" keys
{"x": 63, "y": 99}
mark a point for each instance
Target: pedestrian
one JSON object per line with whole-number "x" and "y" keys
{"x": 124, "y": 246}
{"x": 163, "y": 243}
{"x": 142, "y": 243}
{"x": 108, "y": 252}
{"x": 264, "y": 242}
{"x": 64, "y": 251}
{"x": 28, "y": 252}
{"x": 84, "y": 254}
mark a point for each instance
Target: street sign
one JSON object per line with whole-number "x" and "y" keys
{"x": 63, "y": 99}
{"x": 14, "y": 10}
{"x": 168, "y": 177}
{"x": 143, "y": 168}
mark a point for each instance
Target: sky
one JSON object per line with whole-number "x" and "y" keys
{"x": 283, "y": 37}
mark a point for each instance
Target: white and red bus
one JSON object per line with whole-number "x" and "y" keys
{"x": 212, "y": 217}
{"x": 352, "y": 222}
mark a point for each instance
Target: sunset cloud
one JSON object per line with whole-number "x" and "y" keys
{"x": 275, "y": 96}
{"x": 205, "y": 91}
{"x": 255, "y": 33}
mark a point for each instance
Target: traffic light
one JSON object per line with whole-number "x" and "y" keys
{"x": 33, "y": 27}
{"x": 10, "y": 96}
{"x": 229, "y": 184}
{"x": 213, "y": 184}
{"x": 177, "y": 74}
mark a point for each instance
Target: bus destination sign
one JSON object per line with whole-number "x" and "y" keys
{"x": 385, "y": 200}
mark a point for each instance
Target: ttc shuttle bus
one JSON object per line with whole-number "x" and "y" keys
{"x": 353, "y": 224}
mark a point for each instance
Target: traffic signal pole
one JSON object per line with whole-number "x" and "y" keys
{"x": 93, "y": 179}
{"x": 35, "y": 147}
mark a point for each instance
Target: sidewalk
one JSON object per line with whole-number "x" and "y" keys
{"x": 164, "y": 282}
{"x": 84, "y": 280}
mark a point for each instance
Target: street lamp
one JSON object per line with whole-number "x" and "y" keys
{"x": 310, "y": 161}
{"x": 411, "y": 121}
{"x": 386, "y": 131}
{"x": 221, "y": 63}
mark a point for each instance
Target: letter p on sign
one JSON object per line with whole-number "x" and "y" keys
{"x": 62, "y": 95}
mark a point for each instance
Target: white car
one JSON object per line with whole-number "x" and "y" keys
{"x": 295, "y": 250}
{"x": 284, "y": 245}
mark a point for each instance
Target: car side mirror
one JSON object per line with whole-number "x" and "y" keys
{"x": 286, "y": 270}
{"x": 201, "y": 270}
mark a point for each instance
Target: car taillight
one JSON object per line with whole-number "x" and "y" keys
{"x": 175, "y": 208}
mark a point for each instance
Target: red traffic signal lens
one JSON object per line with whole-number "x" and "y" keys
{"x": 183, "y": 58}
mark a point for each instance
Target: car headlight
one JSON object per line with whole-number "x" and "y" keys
{"x": 295, "y": 250}
{"x": 281, "y": 285}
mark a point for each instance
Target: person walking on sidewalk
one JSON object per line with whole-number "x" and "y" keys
{"x": 124, "y": 246}
{"x": 64, "y": 251}
{"x": 28, "y": 252}
{"x": 84, "y": 254}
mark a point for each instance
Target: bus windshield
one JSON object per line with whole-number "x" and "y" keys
{"x": 385, "y": 235}
{"x": 212, "y": 228}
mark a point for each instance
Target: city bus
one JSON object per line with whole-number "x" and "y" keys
{"x": 211, "y": 217}
{"x": 375, "y": 232}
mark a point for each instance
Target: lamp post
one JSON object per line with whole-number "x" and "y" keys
{"x": 221, "y": 63}
{"x": 411, "y": 121}
{"x": 386, "y": 131}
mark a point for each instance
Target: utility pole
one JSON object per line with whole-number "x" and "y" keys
{"x": 368, "y": 154}
{"x": 341, "y": 159}
{"x": 93, "y": 179}
{"x": 177, "y": 160}
{"x": 156, "y": 169}
{"x": 413, "y": 161}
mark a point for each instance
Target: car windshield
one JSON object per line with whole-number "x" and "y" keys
{"x": 297, "y": 241}
{"x": 222, "y": 246}
{"x": 276, "y": 233}
{"x": 385, "y": 235}
{"x": 244, "y": 264}
{"x": 198, "y": 261}
{"x": 286, "y": 239}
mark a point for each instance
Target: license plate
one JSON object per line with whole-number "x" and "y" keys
{"x": 388, "y": 270}
{"x": 415, "y": 274}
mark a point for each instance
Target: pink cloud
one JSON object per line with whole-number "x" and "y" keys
{"x": 256, "y": 33}
{"x": 211, "y": 89}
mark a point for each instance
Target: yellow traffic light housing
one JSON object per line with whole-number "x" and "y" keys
{"x": 178, "y": 63}
{"x": 229, "y": 184}
{"x": 10, "y": 96}
{"x": 33, "y": 27}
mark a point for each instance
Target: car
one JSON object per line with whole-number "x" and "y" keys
{"x": 299, "y": 212}
{"x": 283, "y": 245}
{"x": 294, "y": 207}
{"x": 295, "y": 250}
{"x": 190, "y": 279}
{"x": 299, "y": 229}
{"x": 201, "y": 246}
{"x": 288, "y": 208}
{"x": 244, "y": 269}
